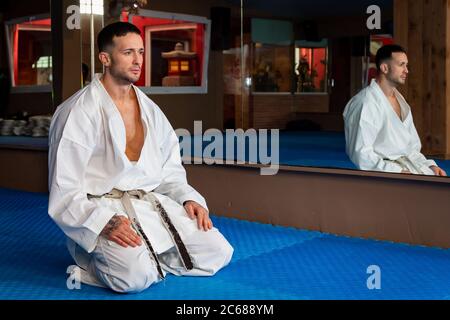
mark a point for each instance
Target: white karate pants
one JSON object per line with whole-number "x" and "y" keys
{"x": 130, "y": 270}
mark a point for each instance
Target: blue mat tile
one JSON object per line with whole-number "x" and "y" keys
{"x": 332, "y": 267}
{"x": 254, "y": 238}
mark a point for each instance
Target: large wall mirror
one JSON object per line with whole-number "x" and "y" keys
{"x": 303, "y": 61}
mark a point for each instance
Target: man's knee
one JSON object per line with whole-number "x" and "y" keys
{"x": 124, "y": 269}
{"x": 222, "y": 252}
{"x": 226, "y": 251}
{"x": 135, "y": 279}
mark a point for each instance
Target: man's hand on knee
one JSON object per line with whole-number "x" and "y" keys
{"x": 438, "y": 171}
{"x": 193, "y": 210}
{"x": 119, "y": 230}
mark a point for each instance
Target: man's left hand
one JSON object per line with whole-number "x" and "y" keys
{"x": 193, "y": 210}
{"x": 438, "y": 171}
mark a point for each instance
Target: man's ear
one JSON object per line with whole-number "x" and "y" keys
{"x": 384, "y": 68}
{"x": 104, "y": 58}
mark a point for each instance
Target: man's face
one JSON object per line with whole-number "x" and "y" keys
{"x": 127, "y": 56}
{"x": 397, "y": 68}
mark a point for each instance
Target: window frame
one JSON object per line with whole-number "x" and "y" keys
{"x": 9, "y": 46}
{"x": 203, "y": 88}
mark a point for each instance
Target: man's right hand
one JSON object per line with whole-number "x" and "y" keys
{"x": 119, "y": 230}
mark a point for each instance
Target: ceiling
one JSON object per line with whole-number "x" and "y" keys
{"x": 306, "y": 9}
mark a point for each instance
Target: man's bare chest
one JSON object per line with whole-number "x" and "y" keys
{"x": 134, "y": 130}
{"x": 396, "y": 107}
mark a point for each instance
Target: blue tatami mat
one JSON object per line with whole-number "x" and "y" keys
{"x": 269, "y": 263}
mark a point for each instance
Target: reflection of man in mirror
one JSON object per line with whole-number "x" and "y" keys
{"x": 379, "y": 129}
{"x": 118, "y": 189}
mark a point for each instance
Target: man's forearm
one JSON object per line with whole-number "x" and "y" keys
{"x": 112, "y": 225}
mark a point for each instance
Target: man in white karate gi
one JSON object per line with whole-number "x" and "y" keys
{"x": 379, "y": 129}
{"x": 118, "y": 189}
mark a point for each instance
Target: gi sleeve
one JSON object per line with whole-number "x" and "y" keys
{"x": 69, "y": 152}
{"x": 416, "y": 146}
{"x": 174, "y": 183}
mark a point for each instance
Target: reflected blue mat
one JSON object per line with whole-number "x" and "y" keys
{"x": 299, "y": 148}
{"x": 269, "y": 263}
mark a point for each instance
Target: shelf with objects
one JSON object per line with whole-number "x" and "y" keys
{"x": 29, "y": 55}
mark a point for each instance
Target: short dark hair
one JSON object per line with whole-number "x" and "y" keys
{"x": 385, "y": 53}
{"x": 116, "y": 29}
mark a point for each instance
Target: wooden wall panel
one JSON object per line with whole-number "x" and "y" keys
{"x": 71, "y": 82}
{"x": 438, "y": 70}
{"x": 401, "y": 29}
{"x": 24, "y": 169}
{"x": 312, "y": 103}
{"x": 415, "y": 56}
{"x": 274, "y": 111}
{"x": 447, "y": 89}
{"x": 422, "y": 27}
{"x": 426, "y": 80}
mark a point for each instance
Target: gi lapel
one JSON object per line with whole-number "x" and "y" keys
{"x": 114, "y": 121}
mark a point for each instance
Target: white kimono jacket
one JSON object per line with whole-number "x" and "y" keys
{"x": 87, "y": 156}
{"x": 376, "y": 138}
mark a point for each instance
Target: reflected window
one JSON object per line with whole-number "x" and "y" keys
{"x": 176, "y": 52}
{"x": 91, "y": 6}
{"x": 280, "y": 64}
{"x": 271, "y": 68}
{"x": 376, "y": 42}
{"x": 30, "y": 52}
{"x": 272, "y": 55}
{"x": 44, "y": 70}
{"x": 311, "y": 66}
